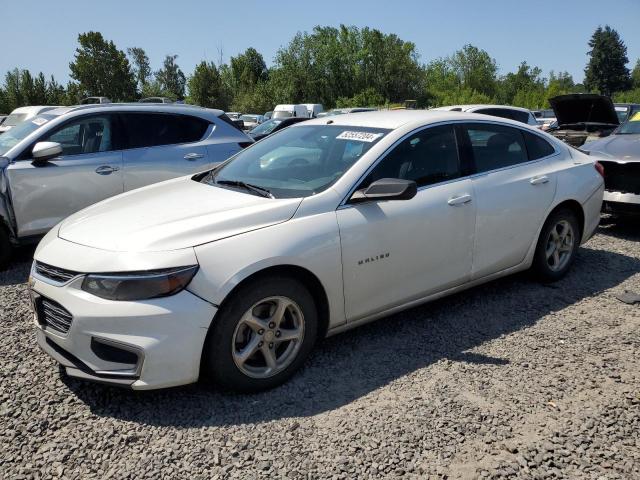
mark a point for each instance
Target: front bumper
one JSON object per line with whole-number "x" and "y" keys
{"x": 160, "y": 340}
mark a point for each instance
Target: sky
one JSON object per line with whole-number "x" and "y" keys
{"x": 41, "y": 35}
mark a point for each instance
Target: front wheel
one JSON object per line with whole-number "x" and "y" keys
{"x": 557, "y": 246}
{"x": 261, "y": 335}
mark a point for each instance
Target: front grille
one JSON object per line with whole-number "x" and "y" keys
{"x": 54, "y": 273}
{"x": 52, "y": 314}
{"x": 621, "y": 177}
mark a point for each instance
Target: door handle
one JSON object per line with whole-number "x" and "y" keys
{"x": 193, "y": 156}
{"x": 460, "y": 200}
{"x": 539, "y": 180}
{"x": 106, "y": 170}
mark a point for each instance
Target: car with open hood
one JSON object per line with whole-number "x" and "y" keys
{"x": 236, "y": 272}
{"x": 619, "y": 154}
{"x": 583, "y": 117}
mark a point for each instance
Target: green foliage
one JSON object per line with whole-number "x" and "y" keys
{"x": 205, "y": 87}
{"x": 606, "y": 71}
{"x": 100, "y": 69}
{"x": 141, "y": 66}
{"x": 635, "y": 75}
{"x": 629, "y": 96}
{"x": 171, "y": 79}
{"x": 367, "y": 98}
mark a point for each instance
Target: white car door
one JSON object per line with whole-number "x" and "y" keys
{"x": 514, "y": 187}
{"x": 163, "y": 146}
{"x": 400, "y": 250}
{"x": 89, "y": 170}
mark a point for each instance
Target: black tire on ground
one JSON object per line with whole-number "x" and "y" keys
{"x": 218, "y": 363}
{"x": 5, "y": 248}
{"x": 541, "y": 265}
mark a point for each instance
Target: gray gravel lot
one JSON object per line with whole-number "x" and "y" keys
{"x": 510, "y": 379}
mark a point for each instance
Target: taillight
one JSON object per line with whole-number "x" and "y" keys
{"x": 599, "y": 168}
{"x": 245, "y": 144}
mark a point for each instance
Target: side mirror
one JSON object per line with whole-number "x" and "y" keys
{"x": 44, "y": 151}
{"x": 386, "y": 189}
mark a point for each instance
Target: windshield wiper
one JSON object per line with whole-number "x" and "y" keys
{"x": 263, "y": 192}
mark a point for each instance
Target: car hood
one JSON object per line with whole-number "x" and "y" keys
{"x": 616, "y": 147}
{"x": 176, "y": 214}
{"x": 584, "y": 108}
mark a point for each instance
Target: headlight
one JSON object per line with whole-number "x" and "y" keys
{"x": 139, "y": 285}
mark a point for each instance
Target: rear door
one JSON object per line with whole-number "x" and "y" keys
{"x": 514, "y": 186}
{"x": 89, "y": 170}
{"x": 162, "y": 146}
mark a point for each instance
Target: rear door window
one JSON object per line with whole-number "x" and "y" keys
{"x": 156, "y": 129}
{"x": 537, "y": 147}
{"x": 496, "y": 146}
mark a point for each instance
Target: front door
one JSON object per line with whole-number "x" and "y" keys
{"x": 89, "y": 170}
{"x": 397, "y": 251}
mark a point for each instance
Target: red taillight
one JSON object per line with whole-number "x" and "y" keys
{"x": 599, "y": 168}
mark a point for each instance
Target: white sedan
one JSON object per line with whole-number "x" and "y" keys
{"x": 237, "y": 272}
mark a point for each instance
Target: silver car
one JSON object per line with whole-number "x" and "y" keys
{"x": 69, "y": 158}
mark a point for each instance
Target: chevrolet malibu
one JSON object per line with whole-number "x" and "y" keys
{"x": 235, "y": 273}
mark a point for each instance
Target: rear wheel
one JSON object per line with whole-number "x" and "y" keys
{"x": 261, "y": 335}
{"x": 557, "y": 246}
{"x": 5, "y": 248}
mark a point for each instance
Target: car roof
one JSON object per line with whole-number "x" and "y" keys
{"x": 34, "y": 109}
{"x": 138, "y": 107}
{"x": 393, "y": 119}
{"x": 468, "y": 108}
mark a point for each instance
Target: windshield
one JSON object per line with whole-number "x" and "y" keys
{"x": 627, "y": 128}
{"x": 11, "y": 138}
{"x": 298, "y": 162}
{"x": 14, "y": 119}
{"x": 249, "y": 118}
{"x": 622, "y": 113}
{"x": 266, "y": 127}
{"x": 282, "y": 114}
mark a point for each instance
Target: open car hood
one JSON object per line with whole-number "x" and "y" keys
{"x": 580, "y": 108}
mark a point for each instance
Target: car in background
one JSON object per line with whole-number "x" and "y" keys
{"x": 626, "y": 110}
{"x": 313, "y": 109}
{"x": 582, "y": 117}
{"x": 286, "y": 111}
{"x": 518, "y": 114}
{"x": 619, "y": 154}
{"x": 344, "y": 111}
{"x": 66, "y": 159}
{"x": 268, "y": 115}
{"x": 271, "y": 126}
{"x": 155, "y": 100}
{"x": 94, "y": 100}
{"x": 251, "y": 120}
{"x": 21, "y": 114}
{"x": 544, "y": 118}
{"x": 2, "y": 117}
{"x": 237, "y": 272}
{"x": 235, "y": 118}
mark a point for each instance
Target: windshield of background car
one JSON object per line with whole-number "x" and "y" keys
{"x": 301, "y": 161}
{"x": 266, "y": 127}
{"x": 282, "y": 114}
{"x": 14, "y": 119}
{"x": 22, "y": 130}
{"x": 622, "y": 113}
{"x": 248, "y": 118}
{"x": 627, "y": 128}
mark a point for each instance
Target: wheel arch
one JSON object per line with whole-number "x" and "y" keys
{"x": 311, "y": 282}
{"x": 575, "y": 207}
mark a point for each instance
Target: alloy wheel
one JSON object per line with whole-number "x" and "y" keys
{"x": 268, "y": 337}
{"x": 559, "y": 247}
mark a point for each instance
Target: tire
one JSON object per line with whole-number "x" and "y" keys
{"x": 246, "y": 323}
{"x": 555, "y": 252}
{"x": 5, "y": 248}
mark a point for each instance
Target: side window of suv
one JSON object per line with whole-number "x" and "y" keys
{"x": 155, "y": 129}
{"x": 496, "y": 146}
{"x": 428, "y": 157}
{"x": 84, "y": 135}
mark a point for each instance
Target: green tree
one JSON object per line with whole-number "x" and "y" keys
{"x": 100, "y": 69}
{"x": 141, "y": 66}
{"x": 635, "y": 75}
{"x": 248, "y": 69}
{"x": 606, "y": 71}
{"x": 171, "y": 79}
{"x": 476, "y": 70}
{"x": 205, "y": 86}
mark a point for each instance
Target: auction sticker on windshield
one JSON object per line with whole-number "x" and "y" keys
{"x": 359, "y": 136}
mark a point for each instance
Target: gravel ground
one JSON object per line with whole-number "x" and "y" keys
{"x": 510, "y": 379}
